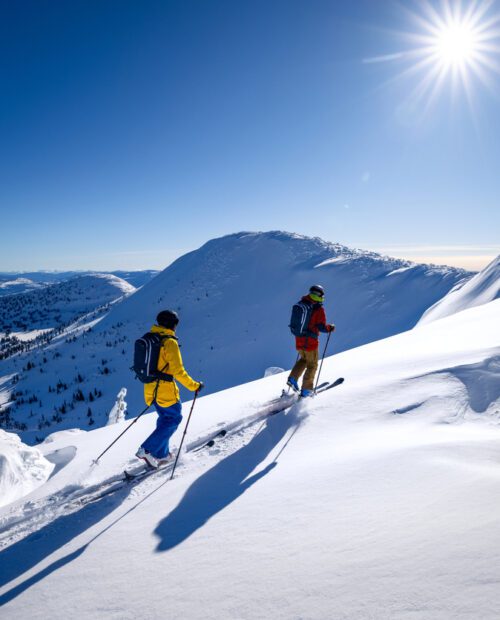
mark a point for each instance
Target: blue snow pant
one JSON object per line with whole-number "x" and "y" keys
{"x": 169, "y": 419}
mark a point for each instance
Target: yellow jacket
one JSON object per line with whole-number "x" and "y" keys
{"x": 169, "y": 361}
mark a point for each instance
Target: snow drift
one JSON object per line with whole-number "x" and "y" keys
{"x": 480, "y": 289}
{"x": 22, "y": 468}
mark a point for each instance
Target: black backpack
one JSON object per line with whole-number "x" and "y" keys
{"x": 146, "y": 355}
{"x": 300, "y": 319}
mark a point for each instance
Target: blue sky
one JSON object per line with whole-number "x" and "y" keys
{"x": 132, "y": 132}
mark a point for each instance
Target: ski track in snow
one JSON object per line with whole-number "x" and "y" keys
{"x": 34, "y": 515}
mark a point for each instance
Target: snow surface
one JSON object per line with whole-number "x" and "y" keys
{"x": 22, "y": 468}
{"x": 27, "y": 336}
{"x": 375, "y": 500}
{"x": 234, "y": 296}
{"x": 482, "y": 288}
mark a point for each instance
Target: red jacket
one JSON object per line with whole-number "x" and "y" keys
{"x": 316, "y": 324}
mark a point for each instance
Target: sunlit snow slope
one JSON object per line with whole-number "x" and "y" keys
{"x": 234, "y": 296}
{"x": 482, "y": 288}
{"x": 376, "y": 500}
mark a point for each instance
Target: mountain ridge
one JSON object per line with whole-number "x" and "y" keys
{"x": 482, "y": 288}
{"x": 234, "y": 296}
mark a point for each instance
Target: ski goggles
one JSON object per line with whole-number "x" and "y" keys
{"x": 316, "y": 297}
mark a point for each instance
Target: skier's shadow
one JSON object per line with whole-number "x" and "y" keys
{"x": 24, "y": 555}
{"x": 224, "y": 483}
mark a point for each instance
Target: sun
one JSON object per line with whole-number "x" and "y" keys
{"x": 456, "y": 45}
{"x": 451, "y": 45}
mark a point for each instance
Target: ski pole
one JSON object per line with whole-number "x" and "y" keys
{"x": 184, "y": 434}
{"x": 321, "y": 365}
{"x": 96, "y": 461}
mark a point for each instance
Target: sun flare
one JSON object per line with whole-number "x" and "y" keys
{"x": 456, "y": 45}
{"x": 452, "y": 46}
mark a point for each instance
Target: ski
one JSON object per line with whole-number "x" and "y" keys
{"x": 141, "y": 472}
{"x": 289, "y": 392}
{"x": 211, "y": 442}
{"x": 329, "y": 386}
{"x": 323, "y": 385}
{"x": 144, "y": 472}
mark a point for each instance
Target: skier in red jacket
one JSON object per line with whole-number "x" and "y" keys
{"x": 307, "y": 343}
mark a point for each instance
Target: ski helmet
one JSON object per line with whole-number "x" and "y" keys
{"x": 317, "y": 290}
{"x": 168, "y": 319}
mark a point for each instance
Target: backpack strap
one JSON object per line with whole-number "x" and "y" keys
{"x": 159, "y": 374}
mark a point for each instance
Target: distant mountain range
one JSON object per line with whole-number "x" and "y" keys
{"x": 234, "y": 296}
{"x": 60, "y": 303}
{"x": 35, "y": 317}
{"x": 19, "y": 282}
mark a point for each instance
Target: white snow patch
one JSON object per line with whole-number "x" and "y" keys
{"x": 22, "y": 468}
{"x": 333, "y": 261}
{"x": 273, "y": 370}
{"x": 19, "y": 282}
{"x": 62, "y": 435}
{"x": 400, "y": 270}
{"x": 30, "y": 335}
{"x": 119, "y": 409}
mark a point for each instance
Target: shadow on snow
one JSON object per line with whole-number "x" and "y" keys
{"x": 207, "y": 496}
{"x": 30, "y": 551}
{"x": 225, "y": 482}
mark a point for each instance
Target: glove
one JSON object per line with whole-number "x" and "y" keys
{"x": 200, "y": 387}
{"x": 330, "y": 327}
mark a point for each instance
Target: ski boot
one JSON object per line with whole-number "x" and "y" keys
{"x": 149, "y": 459}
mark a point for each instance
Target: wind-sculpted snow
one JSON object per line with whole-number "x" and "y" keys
{"x": 482, "y": 387}
{"x": 234, "y": 297}
{"x": 22, "y": 468}
{"x": 482, "y": 288}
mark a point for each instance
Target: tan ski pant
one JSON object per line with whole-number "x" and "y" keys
{"x": 308, "y": 361}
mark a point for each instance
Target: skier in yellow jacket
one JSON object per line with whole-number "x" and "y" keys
{"x": 164, "y": 395}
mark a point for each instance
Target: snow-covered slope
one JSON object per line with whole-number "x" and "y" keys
{"x": 376, "y": 500}
{"x": 482, "y": 288}
{"x": 136, "y": 278}
{"x": 234, "y": 296}
{"x": 46, "y": 311}
{"x": 60, "y": 303}
{"x": 16, "y": 285}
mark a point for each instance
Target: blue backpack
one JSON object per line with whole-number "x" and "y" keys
{"x": 300, "y": 319}
{"x": 146, "y": 355}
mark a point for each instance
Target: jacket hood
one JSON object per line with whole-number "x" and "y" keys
{"x": 164, "y": 331}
